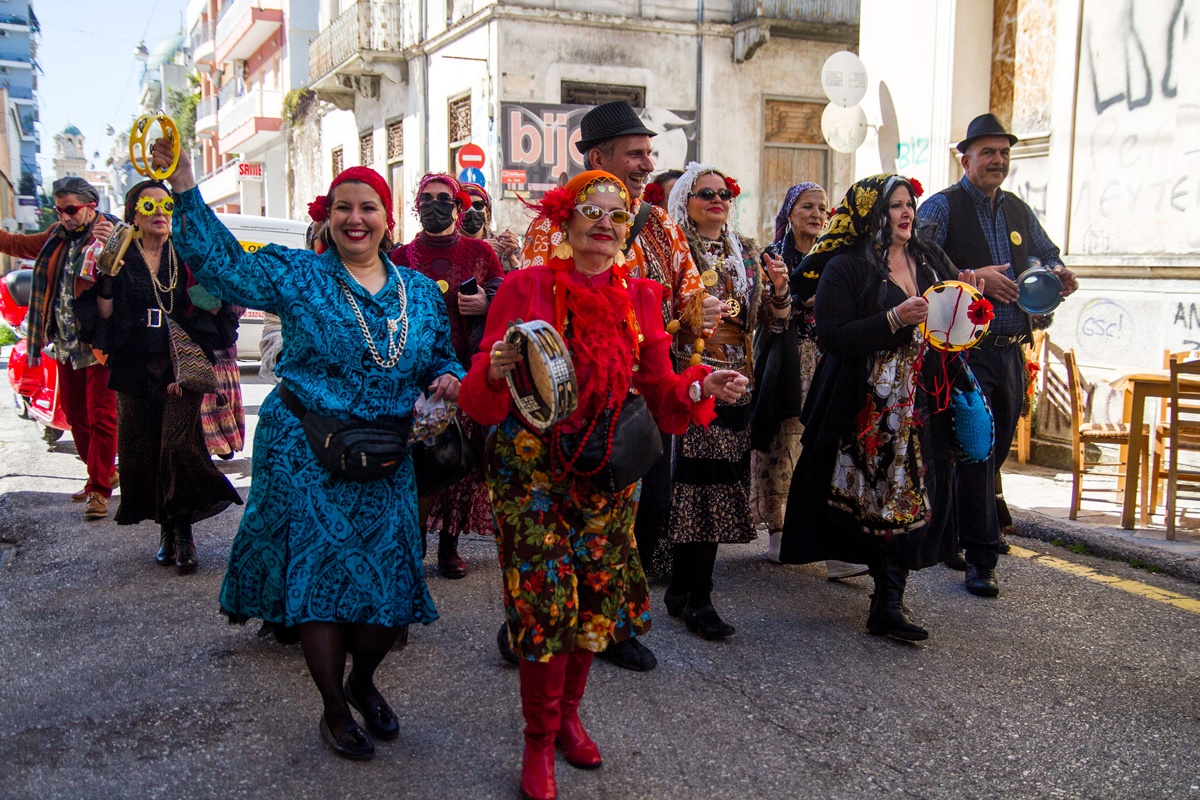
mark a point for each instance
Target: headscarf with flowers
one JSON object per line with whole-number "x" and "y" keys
{"x": 461, "y": 198}
{"x": 318, "y": 209}
{"x": 677, "y": 208}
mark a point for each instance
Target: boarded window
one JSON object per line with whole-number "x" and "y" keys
{"x": 460, "y": 127}
{"x": 395, "y": 141}
{"x": 366, "y": 149}
{"x": 594, "y": 94}
{"x": 793, "y": 151}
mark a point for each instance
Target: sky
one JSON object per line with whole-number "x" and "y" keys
{"x": 90, "y": 77}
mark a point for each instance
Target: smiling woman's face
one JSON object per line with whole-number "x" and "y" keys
{"x": 602, "y": 237}
{"x": 357, "y": 221}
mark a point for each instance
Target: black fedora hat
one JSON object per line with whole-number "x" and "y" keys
{"x": 608, "y": 122}
{"x": 985, "y": 125}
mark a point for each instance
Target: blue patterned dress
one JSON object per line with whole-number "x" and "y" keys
{"x": 312, "y": 547}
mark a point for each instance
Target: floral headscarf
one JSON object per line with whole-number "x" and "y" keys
{"x": 789, "y": 202}
{"x": 677, "y": 208}
{"x": 461, "y": 198}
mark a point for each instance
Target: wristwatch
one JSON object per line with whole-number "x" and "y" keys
{"x": 696, "y": 392}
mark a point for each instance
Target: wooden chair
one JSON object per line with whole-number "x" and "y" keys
{"x": 1178, "y": 432}
{"x": 1085, "y": 433}
{"x": 1034, "y": 354}
{"x": 1158, "y": 472}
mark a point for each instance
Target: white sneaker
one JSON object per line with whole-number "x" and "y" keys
{"x": 774, "y": 539}
{"x": 836, "y": 570}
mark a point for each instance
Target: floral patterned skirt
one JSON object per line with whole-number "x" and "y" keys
{"x": 710, "y": 498}
{"x": 224, "y": 424}
{"x": 571, "y": 572}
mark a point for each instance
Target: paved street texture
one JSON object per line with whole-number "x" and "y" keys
{"x": 119, "y": 679}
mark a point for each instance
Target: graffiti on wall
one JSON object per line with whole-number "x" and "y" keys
{"x": 1136, "y": 127}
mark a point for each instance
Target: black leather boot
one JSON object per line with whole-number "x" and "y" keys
{"x": 165, "y": 557}
{"x": 185, "y": 549}
{"x": 888, "y": 616}
{"x": 450, "y": 563}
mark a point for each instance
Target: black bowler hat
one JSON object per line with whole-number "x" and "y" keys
{"x": 608, "y": 122}
{"x": 985, "y": 125}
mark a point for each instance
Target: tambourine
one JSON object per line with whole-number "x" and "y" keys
{"x": 958, "y": 316}
{"x": 542, "y": 385}
{"x": 1039, "y": 290}
{"x": 140, "y": 143}
{"x": 108, "y": 262}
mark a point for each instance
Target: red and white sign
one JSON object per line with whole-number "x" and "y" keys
{"x": 470, "y": 155}
{"x": 512, "y": 176}
{"x": 250, "y": 170}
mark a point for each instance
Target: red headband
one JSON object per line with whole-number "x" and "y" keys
{"x": 319, "y": 209}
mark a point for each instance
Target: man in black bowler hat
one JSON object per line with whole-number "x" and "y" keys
{"x": 986, "y": 229}
{"x": 613, "y": 138}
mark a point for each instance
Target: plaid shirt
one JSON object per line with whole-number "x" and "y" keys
{"x": 935, "y": 211}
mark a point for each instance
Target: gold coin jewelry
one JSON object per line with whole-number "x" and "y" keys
{"x": 172, "y": 278}
{"x": 708, "y": 278}
{"x": 395, "y": 346}
{"x": 735, "y": 308}
{"x": 445, "y": 287}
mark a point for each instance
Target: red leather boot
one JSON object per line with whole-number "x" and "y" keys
{"x": 541, "y": 701}
{"x": 578, "y": 748}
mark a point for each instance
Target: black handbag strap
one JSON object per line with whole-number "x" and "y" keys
{"x": 639, "y": 222}
{"x": 290, "y": 401}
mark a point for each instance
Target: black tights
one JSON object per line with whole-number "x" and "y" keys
{"x": 692, "y": 571}
{"x": 325, "y": 646}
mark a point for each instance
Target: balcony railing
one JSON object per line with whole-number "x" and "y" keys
{"x": 207, "y": 106}
{"x": 231, "y": 92}
{"x": 234, "y": 11}
{"x": 256, "y": 102}
{"x": 202, "y": 33}
{"x": 368, "y": 25}
{"x": 819, "y": 12}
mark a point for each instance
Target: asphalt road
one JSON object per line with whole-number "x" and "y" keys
{"x": 119, "y": 679}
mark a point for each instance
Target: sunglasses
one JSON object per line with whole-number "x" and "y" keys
{"x": 619, "y": 216}
{"x": 70, "y": 211}
{"x": 442, "y": 197}
{"x": 708, "y": 194}
{"x": 479, "y": 205}
{"x": 148, "y": 206}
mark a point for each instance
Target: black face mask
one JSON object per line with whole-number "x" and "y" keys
{"x": 473, "y": 221}
{"x": 437, "y": 216}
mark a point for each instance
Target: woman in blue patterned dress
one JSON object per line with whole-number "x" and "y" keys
{"x": 338, "y": 558}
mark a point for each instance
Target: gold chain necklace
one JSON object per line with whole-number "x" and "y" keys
{"x": 172, "y": 277}
{"x": 395, "y": 346}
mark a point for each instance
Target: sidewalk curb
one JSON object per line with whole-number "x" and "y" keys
{"x": 1047, "y": 529}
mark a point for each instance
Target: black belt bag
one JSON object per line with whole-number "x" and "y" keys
{"x": 636, "y": 447}
{"x": 350, "y": 448}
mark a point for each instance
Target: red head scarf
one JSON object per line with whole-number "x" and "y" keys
{"x": 461, "y": 198}
{"x": 319, "y": 209}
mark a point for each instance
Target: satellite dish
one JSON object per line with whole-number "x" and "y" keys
{"x": 844, "y": 79}
{"x": 845, "y": 129}
{"x": 889, "y": 131}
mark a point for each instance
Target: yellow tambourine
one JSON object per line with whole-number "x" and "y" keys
{"x": 958, "y": 316}
{"x": 140, "y": 143}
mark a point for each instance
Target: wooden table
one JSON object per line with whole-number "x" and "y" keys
{"x": 1137, "y": 388}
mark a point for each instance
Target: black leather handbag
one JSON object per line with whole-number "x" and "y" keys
{"x": 636, "y": 447}
{"x": 351, "y": 448}
{"x": 451, "y": 457}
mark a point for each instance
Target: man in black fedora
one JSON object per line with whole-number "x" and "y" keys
{"x": 612, "y": 138}
{"x": 984, "y": 228}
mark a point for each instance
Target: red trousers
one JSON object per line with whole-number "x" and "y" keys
{"x": 91, "y": 410}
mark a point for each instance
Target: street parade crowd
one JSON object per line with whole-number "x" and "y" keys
{"x": 632, "y": 385}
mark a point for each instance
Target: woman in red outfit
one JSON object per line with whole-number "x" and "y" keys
{"x": 468, "y": 272}
{"x": 573, "y": 581}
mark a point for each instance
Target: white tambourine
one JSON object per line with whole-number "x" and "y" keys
{"x": 543, "y": 385}
{"x": 954, "y": 307}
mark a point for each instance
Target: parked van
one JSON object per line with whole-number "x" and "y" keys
{"x": 252, "y": 233}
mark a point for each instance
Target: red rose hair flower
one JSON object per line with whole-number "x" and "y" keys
{"x": 917, "y": 188}
{"x": 732, "y": 186}
{"x": 980, "y": 311}
{"x": 318, "y": 209}
{"x": 653, "y": 193}
{"x": 463, "y": 199}
{"x": 557, "y": 205}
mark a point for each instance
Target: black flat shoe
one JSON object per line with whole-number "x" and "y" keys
{"x": 629, "y": 654}
{"x": 377, "y": 716}
{"x": 707, "y": 622}
{"x": 981, "y": 582}
{"x": 675, "y": 603}
{"x": 956, "y": 561}
{"x": 353, "y": 744}
{"x": 505, "y": 647}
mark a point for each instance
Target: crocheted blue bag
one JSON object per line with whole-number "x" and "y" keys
{"x": 974, "y": 427}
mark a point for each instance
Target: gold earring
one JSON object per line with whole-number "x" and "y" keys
{"x": 564, "y": 250}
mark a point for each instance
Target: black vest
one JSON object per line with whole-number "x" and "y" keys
{"x": 966, "y": 245}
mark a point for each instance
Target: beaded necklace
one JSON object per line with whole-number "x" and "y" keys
{"x": 395, "y": 347}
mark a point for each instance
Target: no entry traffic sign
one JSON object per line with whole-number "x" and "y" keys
{"x": 470, "y": 156}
